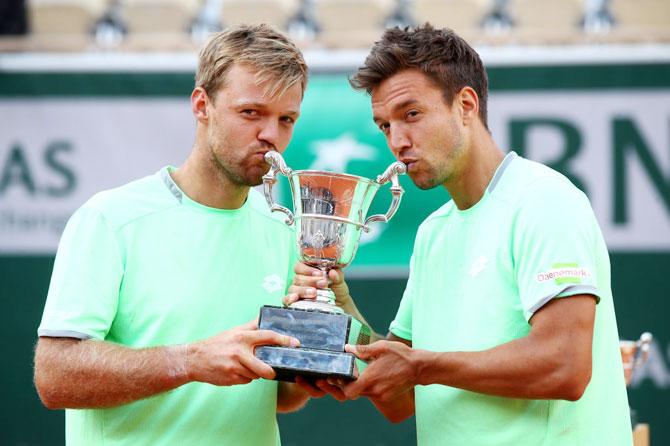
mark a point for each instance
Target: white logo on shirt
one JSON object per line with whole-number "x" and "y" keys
{"x": 478, "y": 266}
{"x": 272, "y": 283}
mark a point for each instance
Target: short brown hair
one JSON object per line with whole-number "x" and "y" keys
{"x": 440, "y": 54}
{"x": 275, "y": 58}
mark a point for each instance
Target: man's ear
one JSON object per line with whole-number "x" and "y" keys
{"x": 468, "y": 102}
{"x": 199, "y": 102}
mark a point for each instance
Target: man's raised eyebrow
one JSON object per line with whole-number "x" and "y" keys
{"x": 404, "y": 104}
{"x": 251, "y": 104}
{"x": 295, "y": 114}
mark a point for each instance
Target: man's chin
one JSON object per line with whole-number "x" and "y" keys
{"x": 254, "y": 176}
{"x": 255, "y": 182}
{"x": 424, "y": 186}
{"x": 423, "y": 183}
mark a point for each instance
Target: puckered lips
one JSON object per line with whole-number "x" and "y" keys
{"x": 411, "y": 163}
{"x": 258, "y": 156}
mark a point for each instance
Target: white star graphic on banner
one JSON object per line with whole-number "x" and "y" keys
{"x": 335, "y": 154}
{"x": 376, "y": 230}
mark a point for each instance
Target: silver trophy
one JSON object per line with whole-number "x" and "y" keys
{"x": 330, "y": 211}
{"x": 634, "y": 354}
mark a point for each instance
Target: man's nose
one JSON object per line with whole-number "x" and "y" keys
{"x": 269, "y": 132}
{"x": 398, "y": 140}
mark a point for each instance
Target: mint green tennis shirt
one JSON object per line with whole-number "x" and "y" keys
{"x": 143, "y": 265}
{"x": 476, "y": 278}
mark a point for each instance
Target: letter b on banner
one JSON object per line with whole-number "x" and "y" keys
{"x": 519, "y": 129}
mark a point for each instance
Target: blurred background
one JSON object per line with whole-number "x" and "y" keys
{"x": 94, "y": 93}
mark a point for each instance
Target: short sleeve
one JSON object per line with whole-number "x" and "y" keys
{"x": 84, "y": 289}
{"x": 402, "y": 324}
{"x": 555, "y": 245}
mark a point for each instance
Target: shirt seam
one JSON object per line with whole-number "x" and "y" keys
{"x": 56, "y": 333}
{"x": 585, "y": 289}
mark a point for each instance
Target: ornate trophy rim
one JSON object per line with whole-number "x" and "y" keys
{"x": 331, "y": 218}
{"x": 327, "y": 173}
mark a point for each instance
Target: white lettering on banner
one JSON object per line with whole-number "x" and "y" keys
{"x": 80, "y": 147}
{"x": 13, "y": 221}
{"x": 615, "y": 144}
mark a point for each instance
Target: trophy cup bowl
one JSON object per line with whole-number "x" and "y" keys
{"x": 329, "y": 210}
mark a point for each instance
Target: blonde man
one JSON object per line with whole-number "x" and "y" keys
{"x": 146, "y": 331}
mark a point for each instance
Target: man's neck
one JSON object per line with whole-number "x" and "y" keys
{"x": 477, "y": 169}
{"x": 200, "y": 179}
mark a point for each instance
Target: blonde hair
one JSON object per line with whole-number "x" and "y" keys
{"x": 278, "y": 63}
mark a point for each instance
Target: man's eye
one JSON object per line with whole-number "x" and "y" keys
{"x": 249, "y": 112}
{"x": 412, "y": 113}
{"x": 384, "y": 127}
{"x": 288, "y": 120}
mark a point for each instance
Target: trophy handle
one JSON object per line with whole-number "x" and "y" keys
{"x": 643, "y": 345}
{"x": 390, "y": 174}
{"x": 277, "y": 164}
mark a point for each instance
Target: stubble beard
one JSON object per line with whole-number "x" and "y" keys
{"x": 438, "y": 176}
{"x": 224, "y": 168}
{"x": 430, "y": 183}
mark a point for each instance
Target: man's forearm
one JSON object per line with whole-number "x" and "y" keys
{"x": 516, "y": 369}
{"x": 71, "y": 373}
{"x": 290, "y": 397}
{"x": 552, "y": 362}
{"x": 350, "y": 308}
{"x": 397, "y": 409}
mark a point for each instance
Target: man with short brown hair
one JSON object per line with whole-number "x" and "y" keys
{"x": 506, "y": 333}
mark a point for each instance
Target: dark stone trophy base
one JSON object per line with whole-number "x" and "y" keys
{"x": 322, "y": 337}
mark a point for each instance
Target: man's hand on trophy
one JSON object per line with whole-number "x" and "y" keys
{"x": 307, "y": 279}
{"x": 228, "y": 359}
{"x": 391, "y": 371}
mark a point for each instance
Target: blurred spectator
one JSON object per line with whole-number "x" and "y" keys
{"x": 13, "y": 17}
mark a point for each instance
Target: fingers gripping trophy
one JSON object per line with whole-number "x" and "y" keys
{"x": 329, "y": 210}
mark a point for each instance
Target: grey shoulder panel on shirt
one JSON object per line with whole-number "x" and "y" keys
{"x": 501, "y": 170}
{"x": 170, "y": 184}
{"x": 63, "y": 334}
{"x": 573, "y": 289}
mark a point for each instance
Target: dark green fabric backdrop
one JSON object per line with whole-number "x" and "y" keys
{"x": 640, "y": 302}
